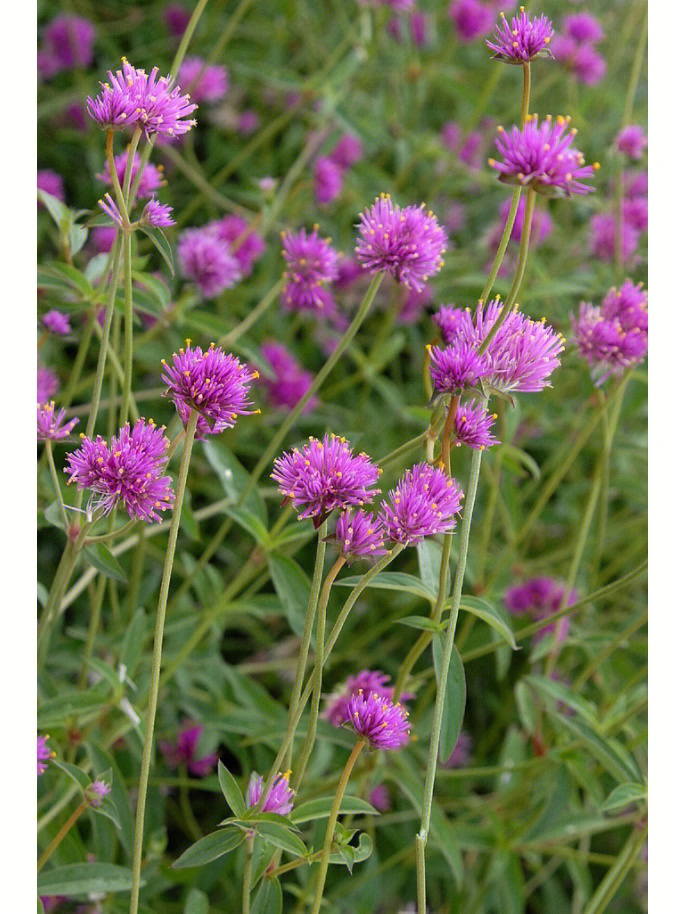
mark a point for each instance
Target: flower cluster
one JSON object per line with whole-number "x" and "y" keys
{"x": 67, "y": 44}
{"x": 56, "y": 322}
{"x": 472, "y": 425}
{"x": 631, "y": 141}
{"x": 129, "y": 471}
{"x": 51, "y": 426}
{"x": 325, "y": 475}
{"x": 575, "y": 48}
{"x": 604, "y": 231}
{"x": 377, "y": 720}
{"x": 540, "y": 598}
{"x": 613, "y": 337}
{"x": 366, "y": 682}
{"x": 329, "y": 170}
{"x": 151, "y": 179}
{"x": 96, "y": 792}
{"x": 541, "y": 156}
{"x": 456, "y": 367}
{"x": 424, "y": 502}
{"x": 208, "y": 261}
{"x": 311, "y": 264}
{"x": 47, "y": 384}
{"x": 183, "y": 751}
{"x": 279, "y": 795}
{"x": 290, "y": 381}
{"x": 205, "y": 82}
{"x": 358, "y": 534}
{"x": 44, "y": 753}
{"x": 523, "y": 40}
{"x": 243, "y": 244}
{"x": 214, "y": 383}
{"x": 471, "y": 18}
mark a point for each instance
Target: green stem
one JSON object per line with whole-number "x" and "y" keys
{"x": 157, "y": 661}
{"x": 489, "y": 515}
{"x": 247, "y": 873}
{"x": 525, "y": 100}
{"x": 260, "y": 308}
{"x": 403, "y": 449}
{"x": 128, "y": 328}
{"x": 61, "y": 834}
{"x": 503, "y": 244}
{"x": 112, "y": 534}
{"x": 93, "y": 625}
{"x": 55, "y": 482}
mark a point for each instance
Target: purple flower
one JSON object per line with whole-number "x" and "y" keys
{"x": 406, "y": 242}
{"x": 540, "y": 598}
{"x": 156, "y": 214}
{"x": 56, "y": 322}
{"x": 377, "y": 720}
{"x": 636, "y": 213}
{"x": 323, "y": 476}
{"x": 47, "y": 384}
{"x": 603, "y": 238}
{"x": 589, "y": 65}
{"x": 96, "y": 792}
{"x": 103, "y": 238}
{"x": 69, "y": 42}
{"x": 213, "y": 382}
{"x": 183, "y": 751}
{"x": 347, "y": 151}
{"x": 128, "y": 472}
{"x": 632, "y": 141}
{"x": 424, "y": 502}
{"x": 50, "y": 427}
{"x": 51, "y": 183}
{"x": 456, "y": 367}
{"x": 109, "y": 208}
{"x": 44, "y": 754}
{"x": 328, "y": 180}
{"x": 248, "y": 122}
{"x": 541, "y": 156}
{"x": 471, "y": 19}
{"x": 290, "y": 381}
{"x": 583, "y": 27}
{"x": 176, "y": 18}
{"x": 367, "y": 682}
{"x": 358, "y": 534}
{"x": 349, "y": 272}
{"x": 472, "y": 426}
{"x": 418, "y": 26}
{"x": 523, "y": 40}
{"x": 379, "y": 797}
{"x": 245, "y": 245}
{"x": 311, "y": 263}
{"x": 461, "y": 754}
{"x": 279, "y": 796}
{"x": 207, "y": 260}
{"x": 206, "y": 82}
{"x": 637, "y": 184}
{"x": 152, "y": 177}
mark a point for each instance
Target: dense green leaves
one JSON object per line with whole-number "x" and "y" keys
{"x": 210, "y": 848}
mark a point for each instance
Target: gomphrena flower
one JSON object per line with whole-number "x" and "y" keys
{"x": 244, "y": 244}
{"x": 68, "y": 42}
{"x": 290, "y": 382}
{"x": 47, "y": 384}
{"x": 347, "y": 151}
{"x": 631, "y": 141}
{"x": 311, "y": 263}
{"x": 50, "y": 182}
{"x": 51, "y": 426}
{"x": 157, "y": 214}
{"x": 540, "y": 598}
{"x": 207, "y": 260}
{"x": 603, "y": 237}
{"x": 366, "y": 682}
{"x": 472, "y": 425}
{"x": 583, "y": 27}
{"x": 613, "y": 337}
{"x": 358, "y": 534}
{"x": 328, "y": 180}
{"x": 56, "y": 322}
{"x": 379, "y": 797}
{"x": 96, "y": 792}
{"x": 151, "y": 179}
{"x": 213, "y": 382}
{"x": 471, "y": 19}
{"x": 279, "y": 796}
{"x": 541, "y": 156}
{"x": 176, "y": 18}
{"x": 456, "y": 367}
{"x": 325, "y": 475}
{"x": 406, "y": 242}
{"x": 109, "y": 208}
{"x": 129, "y": 471}
{"x": 381, "y": 723}
{"x": 424, "y": 502}
{"x": 523, "y": 40}
{"x": 205, "y": 82}
{"x": 183, "y": 751}
{"x": 44, "y": 754}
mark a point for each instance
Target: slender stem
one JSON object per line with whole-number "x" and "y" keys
{"x": 93, "y": 625}
{"x": 112, "y": 534}
{"x": 447, "y": 432}
{"x": 503, "y": 244}
{"x": 330, "y": 828}
{"x": 293, "y": 865}
{"x": 489, "y": 516}
{"x": 259, "y": 309}
{"x": 128, "y": 328}
{"x": 135, "y": 139}
{"x": 61, "y": 834}
{"x": 525, "y": 100}
{"x": 247, "y": 873}
{"x": 439, "y": 709}
{"x": 157, "y": 661}
{"x": 402, "y": 450}
{"x": 55, "y": 482}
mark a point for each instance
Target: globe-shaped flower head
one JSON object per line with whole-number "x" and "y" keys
{"x": 523, "y": 40}
{"x": 279, "y": 796}
{"x": 214, "y": 383}
{"x": 541, "y": 156}
{"x": 290, "y": 380}
{"x": 472, "y": 425}
{"x": 365, "y": 682}
{"x": 408, "y": 242}
{"x": 207, "y": 82}
{"x": 51, "y": 425}
{"x": 540, "y": 598}
{"x": 358, "y": 534}
{"x": 377, "y": 720}
{"x": 456, "y": 367}
{"x": 207, "y": 260}
{"x": 311, "y": 263}
{"x": 424, "y": 502}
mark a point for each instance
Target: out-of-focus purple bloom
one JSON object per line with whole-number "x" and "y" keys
{"x": 183, "y": 751}
{"x": 248, "y": 122}
{"x": 128, "y": 472}
{"x": 471, "y": 149}
{"x": 328, "y": 180}
{"x": 564, "y": 49}
{"x": 636, "y": 213}
{"x": 56, "y": 322}
{"x": 589, "y": 65}
{"x": 456, "y": 367}
{"x": 47, "y": 63}
{"x": 418, "y": 26}
{"x": 207, "y": 260}
{"x": 151, "y": 180}
{"x": 637, "y": 184}
{"x": 367, "y": 682}
{"x": 406, "y": 242}
{"x": 583, "y": 27}
{"x": 540, "y": 229}
{"x": 205, "y": 82}
{"x": 632, "y": 141}
{"x": 103, "y": 238}
{"x": 311, "y": 263}
{"x": 472, "y": 19}
{"x": 455, "y": 217}
{"x": 52, "y": 902}
{"x": 245, "y": 245}
{"x": 472, "y": 426}
{"x": 540, "y": 598}
{"x": 290, "y": 382}
{"x": 523, "y": 40}
{"x": 349, "y": 272}
{"x": 603, "y": 238}
{"x": 279, "y": 796}
{"x": 51, "y": 183}
{"x": 541, "y": 156}
{"x": 68, "y": 40}
{"x": 377, "y": 720}
{"x": 176, "y": 18}
{"x": 347, "y": 151}
{"x": 358, "y": 534}
{"x": 44, "y": 754}
{"x": 96, "y": 792}
{"x": 323, "y": 476}
{"x": 47, "y": 384}
{"x": 414, "y": 305}
{"x": 157, "y": 214}
{"x": 451, "y": 135}
{"x": 379, "y": 797}
{"x": 424, "y": 502}
{"x": 214, "y": 383}
{"x": 50, "y": 425}
{"x": 461, "y": 754}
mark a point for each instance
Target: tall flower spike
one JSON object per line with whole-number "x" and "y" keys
{"x": 523, "y": 40}
{"x": 214, "y": 383}
{"x": 408, "y": 243}
{"x": 279, "y": 796}
{"x": 358, "y": 534}
{"x": 51, "y": 426}
{"x": 311, "y": 263}
{"x": 381, "y": 723}
{"x": 424, "y": 502}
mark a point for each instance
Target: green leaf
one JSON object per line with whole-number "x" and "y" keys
{"x": 189, "y": 523}
{"x": 106, "y": 672}
{"x": 292, "y": 586}
{"x": 350, "y": 854}
{"x": 61, "y": 215}
{"x": 233, "y": 477}
{"x": 231, "y": 791}
{"x": 393, "y": 580}
{"x": 492, "y": 615}
{"x": 252, "y": 524}
{"x": 159, "y": 239}
{"x": 269, "y": 898}
{"x": 84, "y": 879}
{"x": 101, "y": 558}
{"x": 518, "y": 459}
{"x": 624, "y": 795}
{"x": 600, "y": 748}
{"x": 78, "y": 235}
{"x": 422, "y": 622}
{"x": 55, "y": 712}
{"x": 134, "y": 641}
{"x": 197, "y": 902}
{"x": 552, "y": 689}
{"x": 455, "y": 697}
{"x": 430, "y": 558}
{"x": 209, "y": 848}
{"x": 282, "y": 837}
{"x": 321, "y": 808}
{"x": 75, "y": 773}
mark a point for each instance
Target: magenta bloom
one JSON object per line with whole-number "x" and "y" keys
{"x": 323, "y": 476}
{"x": 381, "y": 723}
{"x": 637, "y": 184}
{"x": 523, "y": 40}
{"x": 207, "y": 260}
{"x": 589, "y": 65}
{"x": 583, "y": 27}
{"x": 109, "y": 208}
{"x": 472, "y": 426}
{"x": 51, "y": 183}
{"x": 603, "y": 238}
{"x": 347, "y": 151}
{"x": 214, "y": 383}
{"x": 96, "y": 792}
{"x": 349, "y": 272}
{"x": 418, "y": 26}
{"x": 456, "y": 367}
{"x": 128, "y": 472}
{"x": 472, "y": 19}
{"x": 183, "y": 751}
{"x": 245, "y": 245}
{"x": 44, "y": 754}
{"x": 47, "y": 384}
{"x": 424, "y": 502}
{"x": 379, "y": 796}
{"x": 205, "y": 82}
{"x": 69, "y": 42}
{"x": 541, "y": 156}
{"x": 539, "y": 598}
{"x": 52, "y": 427}
{"x": 56, "y": 322}
{"x": 248, "y": 122}
{"x": 279, "y": 796}
{"x": 358, "y": 534}
{"x": 157, "y": 214}
{"x": 311, "y": 263}
{"x": 636, "y": 213}
{"x": 406, "y": 242}
{"x": 328, "y": 180}
{"x": 290, "y": 381}
{"x": 152, "y": 178}
{"x": 367, "y": 682}
{"x": 176, "y": 18}
{"x": 103, "y": 238}
{"x": 632, "y": 141}
{"x": 461, "y": 754}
